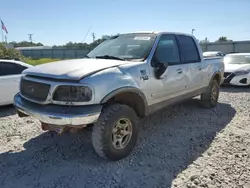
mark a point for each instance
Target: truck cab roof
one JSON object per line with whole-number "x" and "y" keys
{"x": 161, "y": 32}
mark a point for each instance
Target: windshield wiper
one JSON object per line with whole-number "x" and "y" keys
{"x": 110, "y": 57}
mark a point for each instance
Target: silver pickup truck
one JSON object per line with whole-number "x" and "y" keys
{"x": 121, "y": 81}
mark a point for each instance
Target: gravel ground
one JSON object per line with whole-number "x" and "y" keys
{"x": 183, "y": 146}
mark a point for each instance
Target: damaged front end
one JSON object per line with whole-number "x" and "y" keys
{"x": 59, "y": 118}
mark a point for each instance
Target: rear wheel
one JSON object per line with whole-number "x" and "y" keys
{"x": 209, "y": 99}
{"x": 115, "y": 134}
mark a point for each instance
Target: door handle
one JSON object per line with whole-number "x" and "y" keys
{"x": 179, "y": 71}
{"x": 199, "y": 68}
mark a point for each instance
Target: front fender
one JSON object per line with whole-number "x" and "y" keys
{"x": 110, "y": 81}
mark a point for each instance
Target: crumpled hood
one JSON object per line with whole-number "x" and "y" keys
{"x": 235, "y": 67}
{"x": 73, "y": 69}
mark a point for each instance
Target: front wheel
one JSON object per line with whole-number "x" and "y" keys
{"x": 115, "y": 133}
{"x": 209, "y": 99}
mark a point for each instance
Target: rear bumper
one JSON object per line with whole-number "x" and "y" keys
{"x": 58, "y": 114}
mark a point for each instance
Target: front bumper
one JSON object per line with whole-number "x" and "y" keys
{"x": 237, "y": 80}
{"x": 58, "y": 114}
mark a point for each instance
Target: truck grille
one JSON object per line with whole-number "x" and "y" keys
{"x": 34, "y": 90}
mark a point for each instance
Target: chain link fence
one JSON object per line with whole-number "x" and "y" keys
{"x": 54, "y": 53}
{"x": 226, "y": 47}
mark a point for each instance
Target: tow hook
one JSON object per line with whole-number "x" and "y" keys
{"x": 20, "y": 114}
{"x": 61, "y": 129}
{"x": 44, "y": 126}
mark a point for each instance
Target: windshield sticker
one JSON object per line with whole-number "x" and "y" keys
{"x": 142, "y": 38}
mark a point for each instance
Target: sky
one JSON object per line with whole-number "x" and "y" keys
{"x": 56, "y": 22}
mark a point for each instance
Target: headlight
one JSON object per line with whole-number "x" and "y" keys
{"x": 73, "y": 94}
{"x": 242, "y": 72}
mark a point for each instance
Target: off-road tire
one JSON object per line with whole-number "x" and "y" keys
{"x": 207, "y": 99}
{"x": 102, "y": 132}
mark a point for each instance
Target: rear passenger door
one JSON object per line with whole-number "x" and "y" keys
{"x": 10, "y": 74}
{"x": 190, "y": 56}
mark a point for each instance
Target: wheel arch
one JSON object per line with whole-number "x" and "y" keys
{"x": 130, "y": 96}
{"x": 216, "y": 76}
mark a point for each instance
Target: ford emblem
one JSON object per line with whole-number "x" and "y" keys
{"x": 31, "y": 89}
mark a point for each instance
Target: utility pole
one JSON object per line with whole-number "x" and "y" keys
{"x": 30, "y": 37}
{"x": 206, "y": 43}
{"x": 193, "y": 31}
{"x": 93, "y": 36}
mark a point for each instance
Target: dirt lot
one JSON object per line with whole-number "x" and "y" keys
{"x": 183, "y": 146}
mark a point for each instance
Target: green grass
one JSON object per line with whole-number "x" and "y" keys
{"x": 39, "y": 61}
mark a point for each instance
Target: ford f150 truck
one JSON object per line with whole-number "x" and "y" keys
{"x": 121, "y": 81}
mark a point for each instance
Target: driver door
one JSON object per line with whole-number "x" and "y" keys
{"x": 175, "y": 79}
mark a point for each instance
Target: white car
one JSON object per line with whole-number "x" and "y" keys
{"x": 213, "y": 54}
{"x": 237, "y": 69}
{"x": 10, "y": 74}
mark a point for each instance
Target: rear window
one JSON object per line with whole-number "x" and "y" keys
{"x": 189, "y": 49}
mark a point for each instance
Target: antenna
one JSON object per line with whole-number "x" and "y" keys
{"x": 86, "y": 34}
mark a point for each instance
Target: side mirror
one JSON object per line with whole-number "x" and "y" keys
{"x": 159, "y": 65}
{"x": 160, "y": 69}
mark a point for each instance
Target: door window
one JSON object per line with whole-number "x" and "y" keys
{"x": 189, "y": 51}
{"x": 167, "y": 51}
{"x": 7, "y": 68}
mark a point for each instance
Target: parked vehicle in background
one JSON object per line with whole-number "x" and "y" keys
{"x": 213, "y": 54}
{"x": 121, "y": 81}
{"x": 237, "y": 69}
{"x": 10, "y": 74}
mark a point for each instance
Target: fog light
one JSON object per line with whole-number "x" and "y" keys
{"x": 243, "y": 81}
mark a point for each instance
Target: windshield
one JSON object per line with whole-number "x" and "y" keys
{"x": 237, "y": 59}
{"x": 126, "y": 46}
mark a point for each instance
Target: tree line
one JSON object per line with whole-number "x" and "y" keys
{"x": 69, "y": 45}
{"x": 220, "y": 39}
